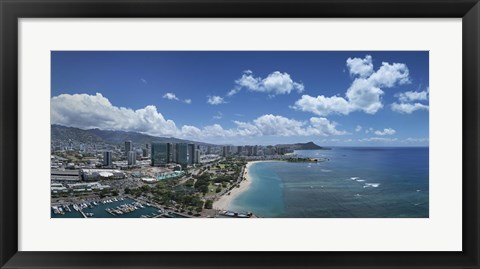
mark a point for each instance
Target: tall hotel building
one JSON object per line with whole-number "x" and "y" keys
{"x": 160, "y": 154}
{"x": 191, "y": 154}
{"x": 132, "y": 157}
{"x": 172, "y": 153}
{"x": 182, "y": 154}
{"x": 107, "y": 158}
{"x": 128, "y": 147}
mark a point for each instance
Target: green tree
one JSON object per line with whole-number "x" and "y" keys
{"x": 209, "y": 204}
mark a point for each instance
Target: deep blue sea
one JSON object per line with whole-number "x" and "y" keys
{"x": 353, "y": 183}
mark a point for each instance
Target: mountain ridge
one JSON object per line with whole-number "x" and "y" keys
{"x": 65, "y": 133}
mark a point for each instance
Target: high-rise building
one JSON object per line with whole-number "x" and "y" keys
{"x": 132, "y": 157}
{"x": 182, "y": 154}
{"x": 269, "y": 150}
{"x": 209, "y": 150}
{"x": 145, "y": 152}
{"x": 128, "y": 147}
{"x": 239, "y": 150}
{"x": 255, "y": 150}
{"x": 197, "y": 156}
{"x": 159, "y": 154}
{"x": 191, "y": 154}
{"x": 107, "y": 158}
{"x": 225, "y": 151}
{"x": 249, "y": 150}
{"x": 172, "y": 156}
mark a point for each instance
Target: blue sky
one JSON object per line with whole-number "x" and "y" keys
{"x": 351, "y": 98}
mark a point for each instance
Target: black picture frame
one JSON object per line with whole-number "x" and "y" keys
{"x": 12, "y": 10}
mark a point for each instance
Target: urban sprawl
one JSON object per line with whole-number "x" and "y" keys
{"x": 176, "y": 179}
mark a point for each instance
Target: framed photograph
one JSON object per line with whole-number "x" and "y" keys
{"x": 239, "y": 134}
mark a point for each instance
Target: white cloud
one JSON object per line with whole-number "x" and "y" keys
{"x": 95, "y": 111}
{"x": 275, "y": 125}
{"x": 322, "y": 126}
{"x": 360, "y": 67}
{"x": 215, "y": 100}
{"x": 410, "y": 96}
{"x": 233, "y": 91}
{"x": 322, "y": 105}
{"x": 190, "y": 131}
{"x": 364, "y": 94}
{"x": 407, "y": 108}
{"x": 377, "y": 139}
{"x": 280, "y": 126}
{"x": 386, "y": 131}
{"x": 275, "y": 83}
{"x": 358, "y": 128}
{"x": 407, "y": 104}
{"x": 144, "y": 81}
{"x": 170, "y": 96}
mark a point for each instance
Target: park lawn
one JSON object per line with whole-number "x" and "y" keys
{"x": 211, "y": 187}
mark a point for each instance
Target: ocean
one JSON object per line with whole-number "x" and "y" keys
{"x": 353, "y": 183}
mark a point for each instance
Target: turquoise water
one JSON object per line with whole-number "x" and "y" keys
{"x": 354, "y": 183}
{"x": 265, "y": 196}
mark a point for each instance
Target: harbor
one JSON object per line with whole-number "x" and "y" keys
{"x": 118, "y": 207}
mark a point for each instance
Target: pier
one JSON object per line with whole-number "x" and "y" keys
{"x": 83, "y": 214}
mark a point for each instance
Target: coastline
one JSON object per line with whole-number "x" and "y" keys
{"x": 223, "y": 203}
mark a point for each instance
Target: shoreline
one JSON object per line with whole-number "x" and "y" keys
{"x": 223, "y": 203}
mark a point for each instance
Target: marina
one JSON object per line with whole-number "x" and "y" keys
{"x": 107, "y": 208}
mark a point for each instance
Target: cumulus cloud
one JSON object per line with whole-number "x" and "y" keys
{"x": 144, "y": 81}
{"x": 95, "y": 111}
{"x": 386, "y": 131}
{"x": 412, "y": 96}
{"x": 322, "y": 126}
{"x": 408, "y": 102}
{"x": 281, "y": 126}
{"x": 170, "y": 96}
{"x": 215, "y": 100}
{"x": 360, "y": 67}
{"x": 408, "y": 108}
{"x": 322, "y": 105}
{"x": 364, "y": 94}
{"x": 275, "y": 83}
{"x": 358, "y": 128}
{"x": 188, "y": 101}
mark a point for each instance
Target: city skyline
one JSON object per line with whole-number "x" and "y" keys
{"x": 241, "y": 98}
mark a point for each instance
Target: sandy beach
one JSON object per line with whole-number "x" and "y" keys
{"x": 224, "y": 201}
